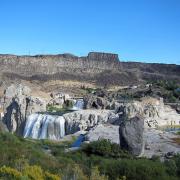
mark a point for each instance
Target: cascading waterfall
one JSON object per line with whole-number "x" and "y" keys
{"x": 44, "y": 126}
{"x": 78, "y": 105}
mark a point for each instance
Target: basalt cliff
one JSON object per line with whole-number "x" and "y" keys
{"x": 101, "y": 69}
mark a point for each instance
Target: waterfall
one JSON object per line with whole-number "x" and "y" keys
{"x": 44, "y": 126}
{"x": 78, "y": 105}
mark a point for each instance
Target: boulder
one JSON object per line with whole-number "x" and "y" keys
{"x": 131, "y": 135}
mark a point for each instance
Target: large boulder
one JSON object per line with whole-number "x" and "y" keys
{"x": 131, "y": 135}
{"x": 86, "y": 119}
{"x": 18, "y": 105}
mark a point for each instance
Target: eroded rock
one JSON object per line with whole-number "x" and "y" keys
{"x": 86, "y": 119}
{"x": 154, "y": 112}
{"x": 18, "y": 105}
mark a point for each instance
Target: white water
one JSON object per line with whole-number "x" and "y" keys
{"x": 43, "y": 126}
{"x": 78, "y": 105}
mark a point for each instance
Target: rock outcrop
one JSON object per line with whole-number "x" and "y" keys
{"x": 131, "y": 135}
{"x": 160, "y": 143}
{"x": 154, "y": 112}
{"x": 85, "y": 119}
{"x": 94, "y": 102}
{"x": 99, "y": 68}
{"x": 18, "y": 105}
{"x": 104, "y": 131}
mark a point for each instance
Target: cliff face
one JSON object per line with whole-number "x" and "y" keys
{"x": 52, "y": 64}
{"x": 101, "y": 68}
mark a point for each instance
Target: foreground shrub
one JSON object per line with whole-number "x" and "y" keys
{"x": 50, "y": 176}
{"x": 95, "y": 175}
{"x": 9, "y": 173}
{"x": 105, "y": 148}
{"x": 74, "y": 172}
{"x": 28, "y": 173}
{"x": 33, "y": 172}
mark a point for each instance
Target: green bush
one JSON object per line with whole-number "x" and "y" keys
{"x": 28, "y": 173}
{"x": 171, "y": 167}
{"x": 9, "y": 173}
{"x": 105, "y": 148}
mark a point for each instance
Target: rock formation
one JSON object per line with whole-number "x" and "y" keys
{"x": 159, "y": 143}
{"x": 154, "y": 112}
{"x": 85, "y": 119}
{"x": 131, "y": 135}
{"x": 92, "y": 101}
{"x": 18, "y": 105}
{"x": 99, "y": 68}
{"x": 42, "y": 126}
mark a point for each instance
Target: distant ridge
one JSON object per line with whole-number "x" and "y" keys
{"x": 97, "y": 67}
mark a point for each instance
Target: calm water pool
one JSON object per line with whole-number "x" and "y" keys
{"x": 170, "y": 128}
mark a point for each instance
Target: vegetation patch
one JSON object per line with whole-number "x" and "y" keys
{"x": 100, "y": 160}
{"x": 169, "y": 90}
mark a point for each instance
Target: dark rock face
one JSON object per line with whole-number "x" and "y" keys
{"x": 14, "y": 118}
{"x": 131, "y": 135}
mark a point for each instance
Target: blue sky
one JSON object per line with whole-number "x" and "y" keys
{"x": 138, "y": 30}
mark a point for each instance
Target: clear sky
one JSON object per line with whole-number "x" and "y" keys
{"x": 138, "y": 30}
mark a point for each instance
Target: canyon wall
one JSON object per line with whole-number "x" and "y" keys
{"x": 100, "y": 68}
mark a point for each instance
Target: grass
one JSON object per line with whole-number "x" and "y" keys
{"x": 58, "y": 110}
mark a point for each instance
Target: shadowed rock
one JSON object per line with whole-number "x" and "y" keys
{"x": 131, "y": 135}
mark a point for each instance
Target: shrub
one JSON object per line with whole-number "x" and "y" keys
{"x": 50, "y": 176}
{"x": 33, "y": 172}
{"x": 95, "y": 174}
{"x": 171, "y": 167}
{"x": 9, "y": 173}
{"x": 73, "y": 171}
{"x": 105, "y": 148}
